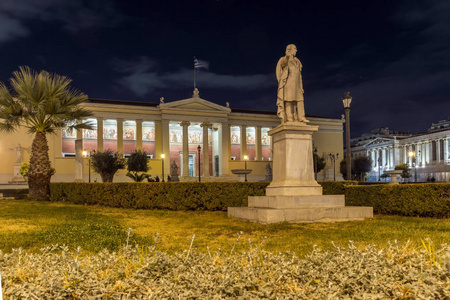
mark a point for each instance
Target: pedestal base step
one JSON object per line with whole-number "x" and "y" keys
{"x": 293, "y": 215}
{"x": 296, "y": 201}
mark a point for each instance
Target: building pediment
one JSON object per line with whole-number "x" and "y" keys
{"x": 195, "y": 104}
{"x": 378, "y": 141}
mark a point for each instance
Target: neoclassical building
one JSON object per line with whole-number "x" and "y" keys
{"x": 428, "y": 154}
{"x": 199, "y": 136}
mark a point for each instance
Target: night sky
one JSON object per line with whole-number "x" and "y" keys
{"x": 393, "y": 56}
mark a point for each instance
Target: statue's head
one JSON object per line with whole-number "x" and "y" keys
{"x": 291, "y": 50}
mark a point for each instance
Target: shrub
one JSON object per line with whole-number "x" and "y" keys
{"x": 137, "y": 162}
{"x": 172, "y": 196}
{"x": 335, "y": 187}
{"x": 107, "y": 163}
{"x": 158, "y": 195}
{"x": 24, "y": 168}
{"x": 424, "y": 200}
{"x": 406, "y": 170}
{"x": 395, "y": 272}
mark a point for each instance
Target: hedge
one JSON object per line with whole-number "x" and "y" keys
{"x": 335, "y": 187}
{"x": 172, "y": 196}
{"x": 158, "y": 195}
{"x": 424, "y": 200}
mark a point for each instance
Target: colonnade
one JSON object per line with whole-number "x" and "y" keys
{"x": 221, "y": 148}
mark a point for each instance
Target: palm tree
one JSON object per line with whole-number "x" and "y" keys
{"x": 42, "y": 103}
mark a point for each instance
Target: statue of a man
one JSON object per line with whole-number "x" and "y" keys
{"x": 290, "y": 87}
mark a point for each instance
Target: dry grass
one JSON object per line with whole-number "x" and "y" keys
{"x": 35, "y": 224}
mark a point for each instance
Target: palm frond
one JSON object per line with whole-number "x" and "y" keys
{"x": 43, "y": 101}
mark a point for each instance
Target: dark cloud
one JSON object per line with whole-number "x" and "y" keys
{"x": 144, "y": 76}
{"x": 11, "y": 28}
{"x": 74, "y": 15}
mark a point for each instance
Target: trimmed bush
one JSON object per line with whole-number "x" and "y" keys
{"x": 158, "y": 195}
{"x": 172, "y": 196}
{"x": 335, "y": 187}
{"x": 424, "y": 200}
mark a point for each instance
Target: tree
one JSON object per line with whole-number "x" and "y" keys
{"x": 406, "y": 169}
{"x": 137, "y": 162}
{"x": 385, "y": 176}
{"x": 319, "y": 162}
{"x": 343, "y": 168}
{"x": 42, "y": 103}
{"x": 107, "y": 164}
{"x": 360, "y": 166}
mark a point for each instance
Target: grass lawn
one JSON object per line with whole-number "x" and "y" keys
{"x": 32, "y": 225}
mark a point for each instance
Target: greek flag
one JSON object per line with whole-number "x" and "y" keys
{"x": 201, "y": 64}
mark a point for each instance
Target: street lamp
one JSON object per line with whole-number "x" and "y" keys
{"x": 333, "y": 158}
{"x": 412, "y": 154}
{"x": 379, "y": 169}
{"x": 199, "y": 149}
{"x": 245, "y": 160}
{"x": 88, "y": 154}
{"x": 347, "y": 99}
{"x": 162, "y": 160}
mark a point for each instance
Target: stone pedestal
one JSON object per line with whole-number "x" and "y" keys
{"x": 293, "y": 168}
{"x": 394, "y": 174}
{"x": 17, "y": 179}
{"x": 242, "y": 173}
{"x": 294, "y": 195}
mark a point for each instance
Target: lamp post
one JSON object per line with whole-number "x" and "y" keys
{"x": 333, "y": 158}
{"x": 347, "y": 99}
{"x": 88, "y": 154}
{"x": 315, "y": 163}
{"x": 162, "y": 160}
{"x": 245, "y": 160}
{"x": 199, "y": 149}
{"x": 379, "y": 169}
{"x": 412, "y": 154}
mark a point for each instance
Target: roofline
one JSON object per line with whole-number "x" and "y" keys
{"x": 153, "y": 104}
{"x": 121, "y": 102}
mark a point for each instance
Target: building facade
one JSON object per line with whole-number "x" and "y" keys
{"x": 176, "y": 130}
{"x": 427, "y": 154}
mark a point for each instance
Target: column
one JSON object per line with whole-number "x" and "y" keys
{"x": 419, "y": 157}
{"x": 79, "y": 155}
{"x": 405, "y": 154}
{"x": 446, "y": 158}
{"x": 205, "y": 126}
{"x": 423, "y": 155}
{"x": 396, "y": 160}
{"x": 100, "y": 134}
{"x": 120, "y": 136}
{"x": 139, "y": 135}
{"x": 243, "y": 141}
{"x": 258, "y": 144}
{"x": 389, "y": 157}
{"x": 438, "y": 151}
{"x": 158, "y": 139}
{"x": 185, "y": 167}
{"x": 166, "y": 146}
{"x": 225, "y": 149}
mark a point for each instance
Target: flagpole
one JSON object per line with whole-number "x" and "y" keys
{"x": 194, "y": 74}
